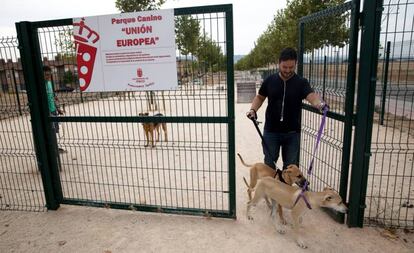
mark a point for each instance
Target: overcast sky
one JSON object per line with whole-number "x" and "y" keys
{"x": 249, "y": 21}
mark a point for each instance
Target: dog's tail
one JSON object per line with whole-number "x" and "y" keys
{"x": 245, "y": 181}
{"x": 245, "y": 164}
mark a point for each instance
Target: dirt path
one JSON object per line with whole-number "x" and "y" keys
{"x": 86, "y": 229}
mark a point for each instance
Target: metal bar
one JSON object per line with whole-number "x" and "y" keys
{"x": 371, "y": 24}
{"x": 330, "y": 11}
{"x": 145, "y": 119}
{"x": 385, "y": 81}
{"x": 349, "y": 101}
{"x": 26, "y": 36}
{"x": 230, "y": 106}
{"x": 324, "y": 78}
{"x": 17, "y": 92}
{"x": 203, "y": 9}
{"x": 150, "y": 208}
{"x": 301, "y": 47}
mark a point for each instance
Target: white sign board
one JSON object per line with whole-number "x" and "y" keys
{"x": 126, "y": 52}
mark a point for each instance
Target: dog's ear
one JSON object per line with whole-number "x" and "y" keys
{"x": 328, "y": 189}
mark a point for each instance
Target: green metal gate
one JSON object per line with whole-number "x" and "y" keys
{"x": 328, "y": 61}
{"x": 376, "y": 128}
{"x": 106, "y": 163}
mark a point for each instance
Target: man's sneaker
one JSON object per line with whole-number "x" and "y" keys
{"x": 62, "y": 151}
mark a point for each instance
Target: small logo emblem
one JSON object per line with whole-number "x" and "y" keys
{"x": 139, "y": 72}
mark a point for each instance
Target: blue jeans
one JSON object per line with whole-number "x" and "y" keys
{"x": 290, "y": 148}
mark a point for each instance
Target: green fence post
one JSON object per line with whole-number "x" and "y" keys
{"x": 385, "y": 80}
{"x": 371, "y": 23}
{"x": 349, "y": 101}
{"x": 30, "y": 57}
{"x": 230, "y": 106}
{"x": 301, "y": 49}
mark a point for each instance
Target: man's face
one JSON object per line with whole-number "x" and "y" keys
{"x": 287, "y": 68}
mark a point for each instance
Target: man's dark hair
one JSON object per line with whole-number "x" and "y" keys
{"x": 46, "y": 68}
{"x": 288, "y": 54}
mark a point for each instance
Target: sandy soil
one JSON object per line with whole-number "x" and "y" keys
{"x": 86, "y": 229}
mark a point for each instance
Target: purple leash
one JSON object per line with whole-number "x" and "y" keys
{"x": 318, "y": 139}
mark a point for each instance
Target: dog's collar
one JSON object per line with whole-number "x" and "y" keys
{"x": 279, "y": 173}
{"x": 302, "y": 195}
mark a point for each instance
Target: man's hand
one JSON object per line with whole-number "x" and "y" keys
{"x": 251, "y": 114}
{"x": 322, "y": 105}
{"x": 60, "y": 111}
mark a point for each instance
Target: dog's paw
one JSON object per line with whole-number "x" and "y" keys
{"x": 301, "y": 244}
{"x": 249, "y": 217}
{"x": 281, "y": 229}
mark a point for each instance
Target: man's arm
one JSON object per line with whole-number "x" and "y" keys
{"x": 256, "y": 104}
{"x": 314, "y": 99}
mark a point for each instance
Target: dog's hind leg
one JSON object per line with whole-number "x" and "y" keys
{"x": 147, "y": 138}
{"x": 164, "y": 127}
{"x": 158, "y": 133}
{"x": 280, "y": 212}
{"x": 258, "y": 194}
{"x": 249, "y": 189}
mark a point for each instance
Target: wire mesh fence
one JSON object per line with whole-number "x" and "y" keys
{"x": 325, "y": 65}
{"x": 20, "y": 183}
{"x": 109, "y": 157}
{"x": 390, "y": 194}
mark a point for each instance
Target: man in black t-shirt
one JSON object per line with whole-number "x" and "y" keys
{"x": 285, "y": 91}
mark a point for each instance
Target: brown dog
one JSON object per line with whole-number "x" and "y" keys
{"x": 291, "y": 175}
{"x": 150, "y": 128}
{"x": 286, "y": 196}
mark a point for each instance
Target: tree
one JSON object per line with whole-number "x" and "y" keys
{"x": 283, "y": 32}
{"x": 66, "y": 44}
{"x": 138, "y": 5}
{"x": 187, "y": 31}
{"x": 209, "y": 53}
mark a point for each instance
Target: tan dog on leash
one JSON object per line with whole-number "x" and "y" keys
{"x": 291, "y": 175}
{"x": 286, "y": 195}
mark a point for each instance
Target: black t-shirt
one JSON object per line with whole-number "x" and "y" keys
{"x": 273, "y": 87}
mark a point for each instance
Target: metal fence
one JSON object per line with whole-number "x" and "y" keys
{"x": 380, "y": 181}
{"x": 390, "y": 197}
{"x": 324, "y": 62}
{"x": 107, "y": 162}
{"x": 20, "y": 181}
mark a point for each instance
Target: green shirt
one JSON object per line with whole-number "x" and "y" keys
{"x": 50, "y": 96}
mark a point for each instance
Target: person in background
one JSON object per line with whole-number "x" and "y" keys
{"x": 52, "y": 100}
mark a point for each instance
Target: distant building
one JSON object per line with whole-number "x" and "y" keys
{"x": 12, "y": 78}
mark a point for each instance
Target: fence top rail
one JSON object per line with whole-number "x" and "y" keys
{"x": 177, "y": 12}
{"x": 327, "y": 12}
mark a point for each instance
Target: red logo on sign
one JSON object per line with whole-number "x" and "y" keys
{"x": 139, "y": 72}
{"x": 85, "y": 52}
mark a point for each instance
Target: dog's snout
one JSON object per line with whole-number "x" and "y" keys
{"x": 302, "y": 182}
